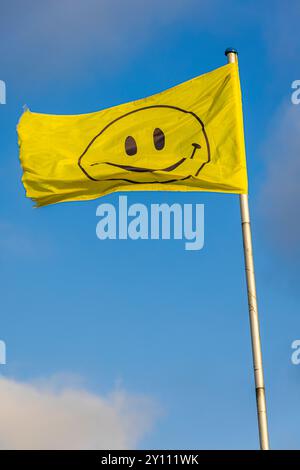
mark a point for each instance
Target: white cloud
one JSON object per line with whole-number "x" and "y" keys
{"x": 38, "y": 415}
{"x": 280, "y": 198}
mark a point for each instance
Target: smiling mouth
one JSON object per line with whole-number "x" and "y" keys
{"x": 138, "y": 169}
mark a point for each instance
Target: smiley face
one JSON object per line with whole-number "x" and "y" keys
{"x": 153, "y": 144}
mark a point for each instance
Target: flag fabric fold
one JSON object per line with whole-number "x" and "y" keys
{"x": 187, "y": 138}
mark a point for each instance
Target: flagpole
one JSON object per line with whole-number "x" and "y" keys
{"x": 253, "y": 309}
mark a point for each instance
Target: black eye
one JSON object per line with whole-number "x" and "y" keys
{"x": 158, "y": 138}
{"x": 130, "y": 146}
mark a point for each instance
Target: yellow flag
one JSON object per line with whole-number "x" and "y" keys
{"x": 187, "y": 138}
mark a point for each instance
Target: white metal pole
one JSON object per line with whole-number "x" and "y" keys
{"x": 253, "y": 309}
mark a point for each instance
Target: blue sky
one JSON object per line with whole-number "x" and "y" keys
{"x": 164, "y": 329}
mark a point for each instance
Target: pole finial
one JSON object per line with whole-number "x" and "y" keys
{"x": 231, "y": 50}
